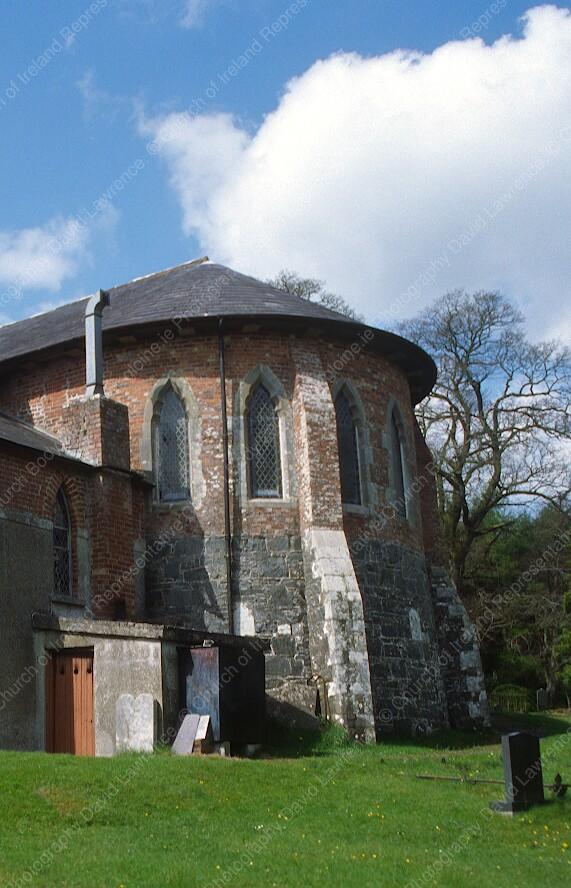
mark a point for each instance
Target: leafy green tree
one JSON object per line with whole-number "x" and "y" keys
{"x": 563, "y": 650}
{"x": 516, "y": 592}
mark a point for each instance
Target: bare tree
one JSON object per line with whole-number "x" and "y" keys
{"x": 314, "y": 291}
{"x": 498, "y": 420}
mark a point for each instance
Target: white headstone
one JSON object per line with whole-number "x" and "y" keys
{"x": 184, "y": 743}
{"x": 203, "y": 742}
{"x": 135, "y": 723}
{"x": 203, "y": 727}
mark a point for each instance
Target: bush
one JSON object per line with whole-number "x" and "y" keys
{"x": 523, "y": 670}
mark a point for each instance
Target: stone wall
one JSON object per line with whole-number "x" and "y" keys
{"x": 269, "y": 600}
{"x": 461, "y": 667}
{"x": 127, "y": 659}
{"x": 26, "y": 567}
{"x": 404, "y": 657}
{"x": 187, "y": 579}
{"x": 459, "y": 655}
{"x": 337, "y": 640}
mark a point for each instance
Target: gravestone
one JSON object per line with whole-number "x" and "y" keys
{"x": 135, "y": 723}
{"x": 204, "y": 740}
{"x": 184, "y": 743}
{"x": 523, "y": 775}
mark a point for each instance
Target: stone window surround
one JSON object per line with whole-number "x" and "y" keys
{"x": 181, "y": 386}
{"x": 264, "y": 375}
{"x": 407, "y": 453}
{"x": 79, "y": 546}
{"x": 80, "y": 539}
{"x": 369, "y": 498}
{"x": 62, "y": 502}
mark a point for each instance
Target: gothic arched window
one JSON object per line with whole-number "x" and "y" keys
{"x": 348, "y": 442}
{"x": 397, "y": 458}
{"x": 62, "y": 548}
{"x": 264, "y": 461}
{"x": 171, "y": 450}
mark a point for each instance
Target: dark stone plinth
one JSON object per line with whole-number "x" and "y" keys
{"x": 522, "y": 773}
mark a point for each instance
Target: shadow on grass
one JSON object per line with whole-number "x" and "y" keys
{"x": 284, "y": 743}
{"x": 281, "y": 742}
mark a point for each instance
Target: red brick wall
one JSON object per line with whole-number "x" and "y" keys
{"x": 38, "y": 394}
{"x": 379, "y": 384}
{"x": 96, "y": 429}
{"x": 105, "y": 504}
{"x": 117, "y": 508}
{"x": 318, "y": 463}
{"x": 428, "y": 501}
{"x": 132, "y": 370}
{"x": 29, "y": 483}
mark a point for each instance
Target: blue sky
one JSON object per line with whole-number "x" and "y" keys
{"x": 111, "y": 75}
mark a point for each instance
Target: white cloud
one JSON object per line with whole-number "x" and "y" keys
{"x": 191, "y": 13}
{"x": 195, "y": 12}
{"x": 43, "y": 257}
{"x": 382, "y": 175}
{"x": 148, "y": 12}
{"x": 99, "y": 104}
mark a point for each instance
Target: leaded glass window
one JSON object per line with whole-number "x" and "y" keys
{"x": 171, "y": 448}
{"x": 398, "y": 466}
{"x": 263, "y": 445}
{"x": 62, "y": 548}
{"x": 347, "y": 439}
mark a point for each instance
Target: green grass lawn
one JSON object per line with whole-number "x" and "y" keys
{"x": 321, "y": 813}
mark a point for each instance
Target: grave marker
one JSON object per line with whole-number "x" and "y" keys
{"x": 135, "y": 726}
{"x": 184, "y": 742}
{"x": 523, "y": 775}
{"x": 204, "y": 741}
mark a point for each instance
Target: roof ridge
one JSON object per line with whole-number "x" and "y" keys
{"x": 145, "y": 277}
{"x": 192, "y": 262}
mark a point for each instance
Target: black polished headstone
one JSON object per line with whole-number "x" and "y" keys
{"x": 522, "y": 773}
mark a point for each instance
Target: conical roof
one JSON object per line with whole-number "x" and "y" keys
{"x": 201, "y": 291}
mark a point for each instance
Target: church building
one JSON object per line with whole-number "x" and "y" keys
{"x": 197, "y": 458}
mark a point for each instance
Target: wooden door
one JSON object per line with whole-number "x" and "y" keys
{"x": 69, "y": 703}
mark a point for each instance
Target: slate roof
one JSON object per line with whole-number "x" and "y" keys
{"x": 201, "y": 290}
{"x": 18, "y": 432}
